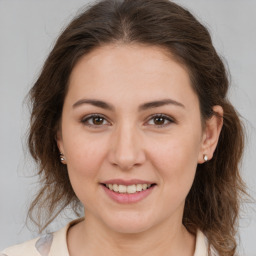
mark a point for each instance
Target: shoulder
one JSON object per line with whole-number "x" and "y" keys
{"x": 52, "y": 244}
{"x": 36, "y": 247}
{"x": 202, "y": 245}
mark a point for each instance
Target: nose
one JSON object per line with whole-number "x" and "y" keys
{"x": 126, "y": 149}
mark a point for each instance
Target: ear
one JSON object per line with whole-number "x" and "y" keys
{"x": 59, "y": 141}
{"x": 211, "y": 134}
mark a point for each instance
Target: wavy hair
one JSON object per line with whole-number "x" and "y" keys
{"x": 212, "y": 204}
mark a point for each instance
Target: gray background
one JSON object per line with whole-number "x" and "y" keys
{"x": 28, "y": 29}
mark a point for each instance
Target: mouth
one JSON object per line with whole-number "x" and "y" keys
{"x": 130, "y": 189}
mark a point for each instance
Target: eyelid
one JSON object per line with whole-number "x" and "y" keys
{"x": 166, "y": 117}
{"x": 88, "y": 117}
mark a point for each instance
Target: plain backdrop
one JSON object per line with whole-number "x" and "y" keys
{"x": 28, "y": 30}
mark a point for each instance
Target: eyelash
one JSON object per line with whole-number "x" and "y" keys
{"x": 165, "y": 117}
{"x": 87, "y": 118}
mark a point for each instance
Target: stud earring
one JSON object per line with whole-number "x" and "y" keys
{"x": 62, "y": 158}
{"x": 205, "y": 158}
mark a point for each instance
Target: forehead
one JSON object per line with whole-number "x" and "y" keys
{"x": 130, "y": 69}
{"x": 129, "y": 57}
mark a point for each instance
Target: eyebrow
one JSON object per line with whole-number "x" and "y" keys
{"x": 143, "y": 107}
{"x": 97, "y": 103}
{"x": 159, "y": 103}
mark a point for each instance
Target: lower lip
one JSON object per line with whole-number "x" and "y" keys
{"x": 128, "y": 198}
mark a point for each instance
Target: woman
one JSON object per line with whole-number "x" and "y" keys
{"x": 130, "y": 120}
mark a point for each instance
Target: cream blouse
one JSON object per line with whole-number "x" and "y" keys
{"x": 55, "y": 244}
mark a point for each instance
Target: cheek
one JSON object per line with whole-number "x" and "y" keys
{"x": 176, "y": 160}
{"x": 176, "y": 166}
{"x": 83, "y": 151}
{"x": 83, "y": 164}
{"x": 84, "y": 155}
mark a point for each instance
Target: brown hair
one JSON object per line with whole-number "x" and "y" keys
{"x": 212, "y": 204}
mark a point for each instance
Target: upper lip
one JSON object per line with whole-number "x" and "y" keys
{"x": 127, "y": 182}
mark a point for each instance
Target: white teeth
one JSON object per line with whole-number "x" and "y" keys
{"x": 122, "y": 189}
{"x": 139, "y": 187}
{"x": 115, "y": 187}
{"x": 131, "y": 189}
{"x": 144, "y": 186}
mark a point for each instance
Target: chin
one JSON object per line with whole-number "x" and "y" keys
{"x": 129, "y": 224}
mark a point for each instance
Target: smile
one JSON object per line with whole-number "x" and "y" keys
{"x": 131, "y": 189}
{"x": 129, "y": 193}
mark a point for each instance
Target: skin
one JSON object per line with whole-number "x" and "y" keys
{"x": 129, "y": 143}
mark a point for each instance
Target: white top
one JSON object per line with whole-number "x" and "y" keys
{"x": 55, "y": 244}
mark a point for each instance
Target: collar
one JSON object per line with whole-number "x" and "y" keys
{"x": 59, "y": 244}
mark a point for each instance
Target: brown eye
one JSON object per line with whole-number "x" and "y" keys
{"x": 160, "y": 120}
{"x": 98, "y": 120}
{"x": 94, "y": 121}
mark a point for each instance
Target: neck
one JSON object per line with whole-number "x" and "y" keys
{"x": 93, "y": 238}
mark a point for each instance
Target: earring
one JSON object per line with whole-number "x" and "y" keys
{"x": 205, "y": 158}
{"x": 62, "y": 158}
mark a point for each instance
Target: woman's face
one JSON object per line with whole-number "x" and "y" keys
{"x": 130, "y": 118}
